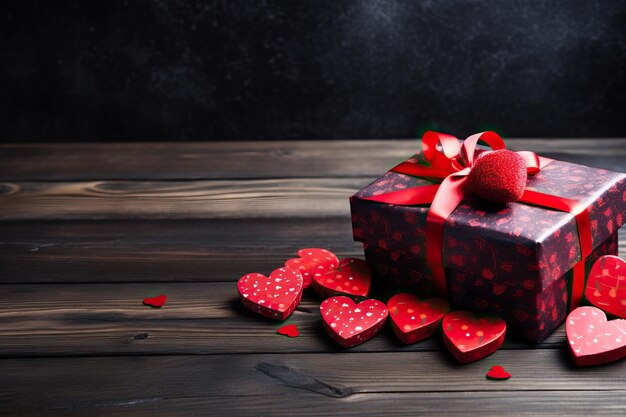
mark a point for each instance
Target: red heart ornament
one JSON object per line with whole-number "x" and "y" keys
{"x": 155, "y": 302}
{"x": 606, "y": 285}
{"x": 350, "y": 324}
{"x": 498, "y": 372}
{"x": 412, "y": 319}
{"x": 592, "y": 339}
{"x": 275, "y": 297}
{"x": 312, "y": 262}
{"x": 290, "y": 330}
{"x": 469, "y": 338}
{"x": 352, "y": 277}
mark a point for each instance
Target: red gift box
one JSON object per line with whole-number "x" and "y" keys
{"x": 516, "y": 260}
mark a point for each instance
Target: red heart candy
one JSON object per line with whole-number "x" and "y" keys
{"x": 498, "y": 372}
{"x": 311, "y": 262}
{"x": 592, "y": 339}
{"x": 275, "y": 297}
{"x": 469, "y": 338}
{"x": 606, "y": 285}
{"x": 290, "y": 330}
{"x": 412, "y": 319}
{"x": 156, "y": 302}
{"x": 352, "y": 278}
{"x": 350, "y": 324}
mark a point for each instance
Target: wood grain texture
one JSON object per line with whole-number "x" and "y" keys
{"x": 198, "y": 318}
{"x": 355, "y": 384}
{"x": 161, "y": 251}
{"x": 251, "y": 160}
{"x": 218, "y": 199}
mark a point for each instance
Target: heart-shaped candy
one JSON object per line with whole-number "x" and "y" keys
{"x": 592, "y": 339}
{"x": 275, "y": 297}
{"x": 412, "y": 319}
{"x": 606, "y": 285}
{"x": 290, "y": 330}
{"x": 469, "y": 338}
{"x": 155, "y": 302}
{"x": 350, "y": 324}
{"x": 352, "y": 278}
{"x": 312, "y": 262}
{"x": 498, "y": 373}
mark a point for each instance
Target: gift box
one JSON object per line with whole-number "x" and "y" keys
{"x": 525, "y": 260}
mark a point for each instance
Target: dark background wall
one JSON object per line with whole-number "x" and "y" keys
{"x": 241, "y": 69}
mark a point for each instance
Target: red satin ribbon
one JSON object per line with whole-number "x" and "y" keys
{"x": 451, "y": 161}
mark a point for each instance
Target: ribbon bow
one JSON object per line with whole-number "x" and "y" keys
{"x": 451, "y": 162}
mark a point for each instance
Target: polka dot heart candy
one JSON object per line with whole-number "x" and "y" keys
{"x": 592, "y": 339}
{"x": 350, "y": 324}
{"x": 312, "y": 262}
{"x": 275, "y": 296}
{"x": 352, "y": 277}
{"x": 469, "y": 338}
{"x": 412, "y": 319}
{"x": 606, "y": 285}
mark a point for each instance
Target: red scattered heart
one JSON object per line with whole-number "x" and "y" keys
{"x": 412, "y": 319}
{"x": 606, "y": 285}
{"x": 352, "y": 277}
{"x": 275, "y": 297}
{"x": 350, "y": 324}
{"x": 155, "y": 302}
{"x": 469, "y": 338}
{"x": 290, "y": 330}
{"x": 498, "y": 373}
{"x": 592, "y": 339}
{"x": 312, "y": 262}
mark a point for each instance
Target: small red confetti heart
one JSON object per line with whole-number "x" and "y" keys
{"x": 606, "y": 286}
{"x": 290, "y": 330}
{"x": 276, "y": 296}
{"x": 592, "y": 339}
{"x": 469, "y": 338}
{"x": 155, "y": 302}
{"x": 412, "y": 319}
{"x": 352, "y": 278}
{"x": 312, "y": 262}
{"x": 350, "y": 324}
{"x": 498, "y": 373}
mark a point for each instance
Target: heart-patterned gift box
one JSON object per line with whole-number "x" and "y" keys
{"x": 514, "y": 259}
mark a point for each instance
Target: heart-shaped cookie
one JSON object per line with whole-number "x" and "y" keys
{"x": 469, "y": 338}
{"x": 592, "y": 339}
{"x": 352, "y": 277}
{"x": 606, "y": 285}
{"x": 412, "y": 319}
{"x": 312, "y": 262}
{"x": 275, "y": 297}
{"x": 290, "y": 330}
{"x": 350, "y": 324}
{"x": 155, "y": 302}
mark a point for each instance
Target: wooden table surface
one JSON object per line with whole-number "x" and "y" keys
{"x": 88, "y": 230}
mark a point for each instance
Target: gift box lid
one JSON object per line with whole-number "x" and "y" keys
{"x": 517, "y": 244}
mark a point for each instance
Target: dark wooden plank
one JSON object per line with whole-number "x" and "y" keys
{"x": 199, "y": 318}
{"x": 268, "y": 159}
{"x": 278, "y": 198}
{"x": 169, "y": 251}
{"x": 344, "y": 384}
{"x": 164, "y": 251}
